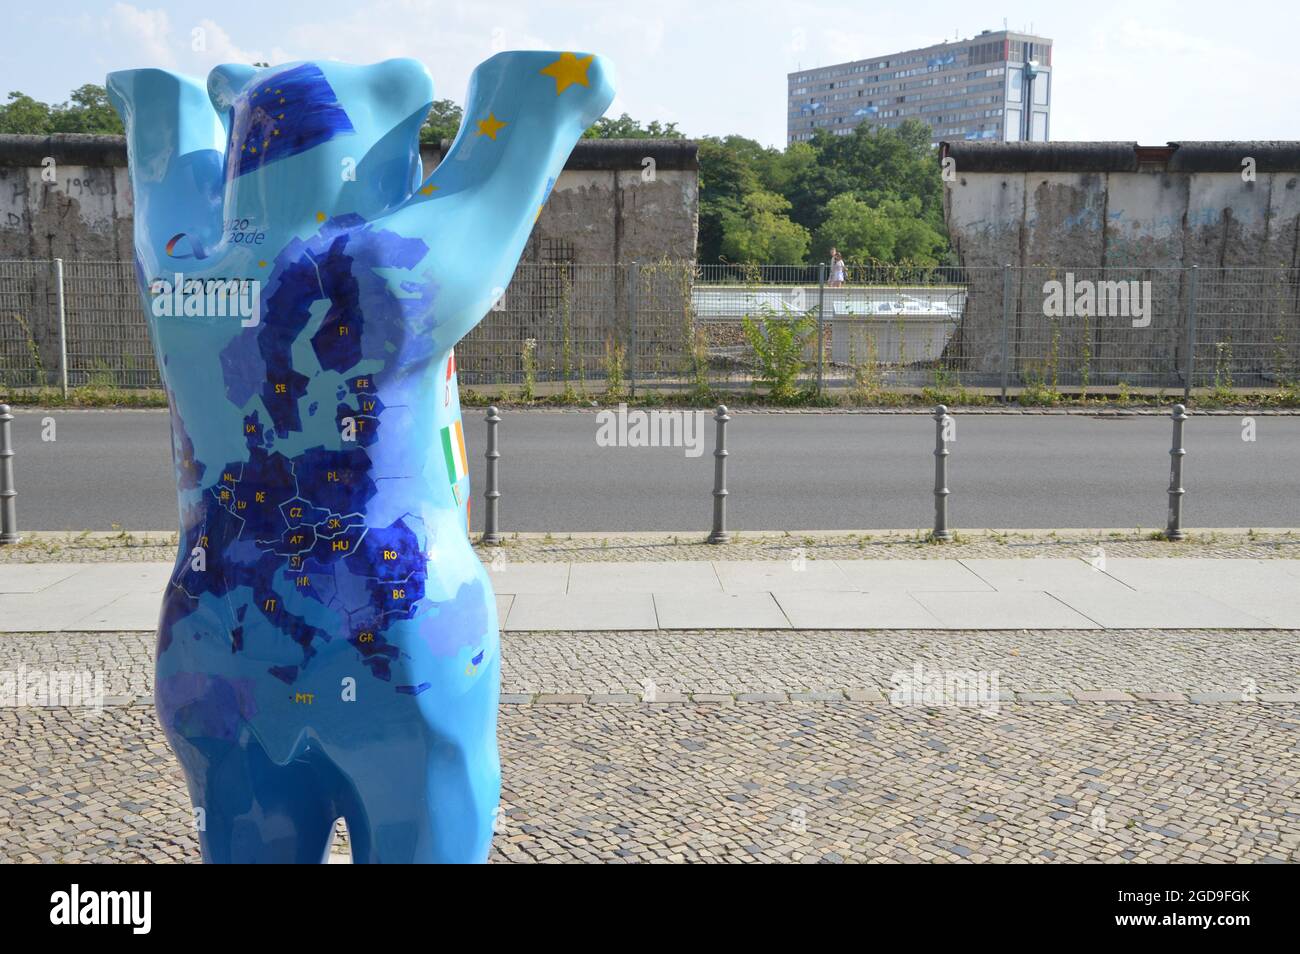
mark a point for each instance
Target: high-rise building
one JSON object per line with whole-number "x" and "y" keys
{"x": 994, "y": 86}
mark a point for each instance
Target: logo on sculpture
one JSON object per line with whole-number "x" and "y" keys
{"x": 320, "y": 458}
{"x": 181, "y": 245}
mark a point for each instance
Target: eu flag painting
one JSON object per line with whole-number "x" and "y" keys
{"x": 284, "y": 115}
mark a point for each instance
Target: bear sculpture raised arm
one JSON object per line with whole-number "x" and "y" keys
{"x": 328, "y": 641}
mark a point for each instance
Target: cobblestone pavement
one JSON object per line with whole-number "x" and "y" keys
{"x": 768, "y": 746}
{"x": 733, "y": 662}
{"x": 881, "y": 545}
{"x": 755, "y": 782}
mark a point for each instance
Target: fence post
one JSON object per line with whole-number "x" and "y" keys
{"x": 63, "y": 326}
{"x": 8, "y": 504}
{"x": 491, "y": 493}
{"x": 634, "y": 304}
{"x": 821, "y": 322}
{"x": 941, "y": 532}
{"x": 1006, "y": 328}
{"x": 719, "y": 533}
{"x": 1174, "y": 527}
{"x": 1191, "y": 332}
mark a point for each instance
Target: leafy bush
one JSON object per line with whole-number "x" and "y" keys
{"x": 615, "y": 357}
{"x": 778, "y": 343}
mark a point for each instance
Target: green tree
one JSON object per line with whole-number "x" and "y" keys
{"x": 786, "y": 167}
{"x": 443, "y": 121}
{"x": 918, "y": 240}
{"x": 724, "y": 181}
{"x": 876, "y": 165}
{"x": 860, "y": 233}
{"x": 759, "y": 231}
{"x": 625, "y": 127}
{"x": 877, "y": 229}
{"x": 875, "y": 194}
{"x": 756, "y": 157}
{"x": 86, "y": 111}
{"x": 24, "y": 115}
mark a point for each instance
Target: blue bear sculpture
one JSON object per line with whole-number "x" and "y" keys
{"x": 328, "y": 642}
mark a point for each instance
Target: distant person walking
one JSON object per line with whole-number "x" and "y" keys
{"x": 837, "y": 269}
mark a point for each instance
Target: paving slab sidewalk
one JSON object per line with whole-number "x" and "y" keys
{"x": 796, "y": 594}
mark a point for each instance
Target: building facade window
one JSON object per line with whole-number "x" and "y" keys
{"x": 1040, "y": 88}
{"x": 959, "y": 90}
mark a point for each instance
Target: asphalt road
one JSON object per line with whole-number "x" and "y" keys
{"x": 110, "y": 469}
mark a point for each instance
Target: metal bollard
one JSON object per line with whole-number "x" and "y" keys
{"x": 491, "y": 532}
{"x": 719, "y": 533}
{"x": 941, "y": 532}
{"x": 8, "y": 503}
{"x": 1174, "y": 528}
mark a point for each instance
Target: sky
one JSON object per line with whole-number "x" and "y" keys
{"x": 1153, "y": 71}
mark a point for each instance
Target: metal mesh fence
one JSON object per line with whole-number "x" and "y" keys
{"x": 1246, "y": 327}
{"x": 666, "y": 345}
{"x": 588, "y": 328}
{"x": 27, "y": 310}
{"x": 1079, "y": 328}
{"x": 552, "y": 324}
{"x": 108, "y": 337}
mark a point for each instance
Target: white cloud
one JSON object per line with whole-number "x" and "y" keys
{"x": 1155, "y": 40}
{"x": 1138, "y": 79}
{"x": 217, "y": 47}
{"x": 147, "y": 30}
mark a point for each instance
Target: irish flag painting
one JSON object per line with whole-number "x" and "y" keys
{"x": 451, "y": 374}
{"x": 453, "y": 451}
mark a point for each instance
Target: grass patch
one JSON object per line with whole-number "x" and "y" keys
{"x": 86, "y": 396}
{"x": 955, "y": 396}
